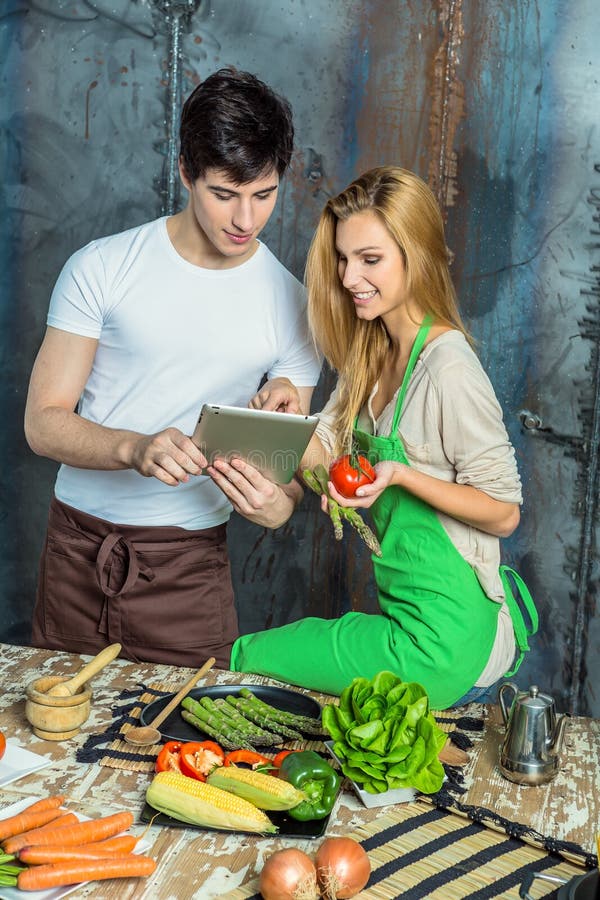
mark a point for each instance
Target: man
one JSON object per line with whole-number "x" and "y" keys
{"x": 143, "y": 328}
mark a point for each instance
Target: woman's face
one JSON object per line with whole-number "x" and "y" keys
{"x": 370, "y": 265}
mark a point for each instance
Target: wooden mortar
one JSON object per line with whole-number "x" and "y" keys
{"x": 56, "y": 718}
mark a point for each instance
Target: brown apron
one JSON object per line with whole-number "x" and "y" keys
{"x": 163, "y": 593}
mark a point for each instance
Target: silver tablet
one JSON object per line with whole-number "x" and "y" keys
{"x": 272, "y": 442}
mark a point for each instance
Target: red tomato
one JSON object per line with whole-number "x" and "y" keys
{"x": 348, "y": 474}
{"x": 2, "y": 745}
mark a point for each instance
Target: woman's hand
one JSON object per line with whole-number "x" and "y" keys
{"x": 278, "y": 394}
{"x": 254, "y": 496}
{"x": 367, "y": 494}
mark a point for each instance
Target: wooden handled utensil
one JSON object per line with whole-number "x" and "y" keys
{"x": 149, "y": 734}
{"x": 70, "y": 687}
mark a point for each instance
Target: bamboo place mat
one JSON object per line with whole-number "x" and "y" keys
{"x": 419, "y": 851}
{"x": 561, "y": 817}
{"x": 121, "y": 755}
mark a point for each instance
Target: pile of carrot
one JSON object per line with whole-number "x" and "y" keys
{"x": 44, "y": 847}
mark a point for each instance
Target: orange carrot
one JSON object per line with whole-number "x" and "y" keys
{"x": 12, "y": 844}
{"x": 44, "y": 803}
{"x": 83, "y": 832}
{"x": 40, "y": 878}
{"x": 25, "y": 821}
{"x": 57, "y": 853}
{"x": 123, "y": 843}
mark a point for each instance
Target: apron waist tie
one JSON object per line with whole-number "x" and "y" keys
{"x": 110, "y": 617}
{"x": 516, "y": 590}
{"x": 134, "y": 566}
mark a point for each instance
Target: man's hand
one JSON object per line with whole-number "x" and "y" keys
{"x": 254, "y": 496}
{"x": 169, "y": 455}
{"x": 278, "y": 394}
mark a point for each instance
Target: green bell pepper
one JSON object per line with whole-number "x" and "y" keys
{"x": 313, "y": 775}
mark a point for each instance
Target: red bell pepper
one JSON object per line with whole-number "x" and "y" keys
{"x": 281, "y": 756}
{"x": 251, "y": 758}
{"x": 168, "y": 758}
{"x": 197, "y": 759}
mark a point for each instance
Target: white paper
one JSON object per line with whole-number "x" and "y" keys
{"x": 18, "y": 762}
{"x": 9, "y": 893}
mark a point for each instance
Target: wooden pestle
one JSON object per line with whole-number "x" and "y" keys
{"x": 70, "y": 687}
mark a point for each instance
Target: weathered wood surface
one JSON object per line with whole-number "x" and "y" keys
{"x": 567, "y": 808}
{"x": 191, "y": 864}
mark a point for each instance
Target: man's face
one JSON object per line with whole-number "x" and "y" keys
{"x": 231, "y": 216}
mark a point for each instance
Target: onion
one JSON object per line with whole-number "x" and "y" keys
{"x": 289, "y": 875}
{"x": 343, "y": 868}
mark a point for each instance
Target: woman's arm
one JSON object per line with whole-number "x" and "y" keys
{"x": 280, "y": 395}
{"x": 461, "y": 420}
{"x": 461, "y": 501}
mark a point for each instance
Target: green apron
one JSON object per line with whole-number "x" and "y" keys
{"x": 438, "y": 626}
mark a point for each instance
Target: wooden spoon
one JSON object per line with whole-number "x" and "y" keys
{"x": 149, "y": 734}
{"x": 70, "y": 687}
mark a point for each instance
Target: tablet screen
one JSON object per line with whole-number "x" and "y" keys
{"x": 272, "y": 442}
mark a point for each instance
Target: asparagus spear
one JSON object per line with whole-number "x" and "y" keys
{"x": 260, "y": 735}
{"x": 249, "y": 711}
{"x": 357, "y": 522}
{"x": 308, "y": 724}
{"x": 244, "y": 726}
{"x": 317, "y": 480}
{"x": 332, "y": 506}
{"x": 216, "y": 726}
{"x": 225, "y": 743}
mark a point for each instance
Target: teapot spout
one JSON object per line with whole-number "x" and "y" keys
{"x": 555, "y": 746}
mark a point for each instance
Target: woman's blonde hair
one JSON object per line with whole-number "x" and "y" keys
{"x": 356, "y": 348}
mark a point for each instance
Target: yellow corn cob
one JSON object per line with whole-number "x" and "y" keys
{"x": 197, "y": 803}
{"x": 264, "y": 791}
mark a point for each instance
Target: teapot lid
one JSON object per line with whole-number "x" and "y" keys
{"x": 535, "y": 700}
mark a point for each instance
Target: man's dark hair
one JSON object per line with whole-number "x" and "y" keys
{"x": 234, "y": 122}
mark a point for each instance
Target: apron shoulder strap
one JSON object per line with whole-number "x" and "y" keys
{"x": 412, "y": 360}
{"x": 516, "y": 590}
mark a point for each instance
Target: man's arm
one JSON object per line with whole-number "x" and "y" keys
{"x": 55, "y": 430}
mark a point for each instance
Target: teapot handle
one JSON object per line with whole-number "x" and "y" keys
{"x": 507, "y": 687}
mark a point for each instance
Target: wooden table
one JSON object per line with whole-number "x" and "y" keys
{"x": 191, "y": 863}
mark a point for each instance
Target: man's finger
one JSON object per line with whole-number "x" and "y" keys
{"x": 252, "y": 475}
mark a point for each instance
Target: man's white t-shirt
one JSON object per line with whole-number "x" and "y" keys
{"x": 172, "y": 336}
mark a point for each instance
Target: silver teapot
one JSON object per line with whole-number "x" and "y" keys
{"x": 530, "y": 752}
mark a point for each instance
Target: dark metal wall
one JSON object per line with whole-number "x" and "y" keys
{"x": 494, "y": 102}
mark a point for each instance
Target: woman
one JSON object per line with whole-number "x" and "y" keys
{"x": 414, "y": 398}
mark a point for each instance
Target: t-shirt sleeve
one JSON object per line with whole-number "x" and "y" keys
{"x": 474, "y": 437}
{"x": 298, "y": 358}
{"x": 77, "y": 301}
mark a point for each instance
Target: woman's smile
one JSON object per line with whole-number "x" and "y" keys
{"x": 363, "y": 297}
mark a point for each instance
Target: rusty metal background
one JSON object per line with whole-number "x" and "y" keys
{"x": 495, "y": 102}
